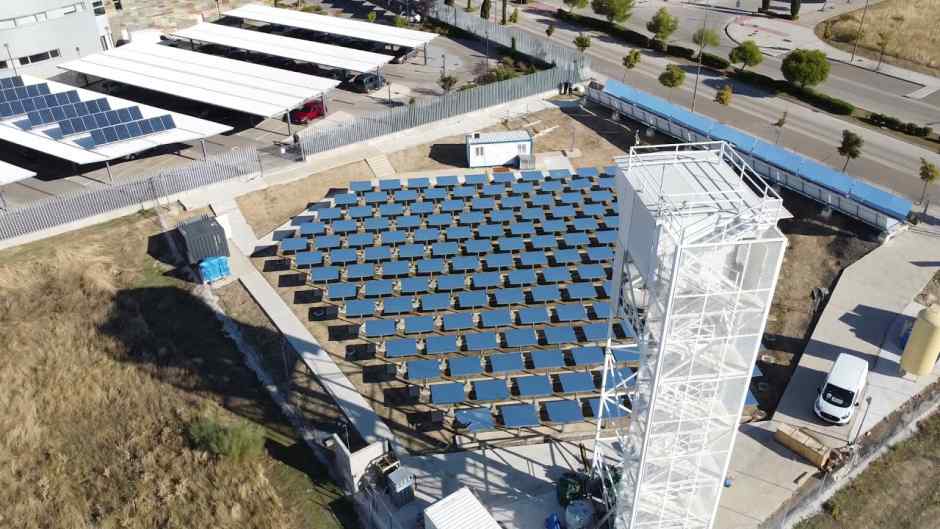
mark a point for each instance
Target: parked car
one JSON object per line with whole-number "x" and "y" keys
{"x": 363, "y": 83}
{"x": 843, "y": 389}
{"x": 403, "y": 54}
{"x": 310, "y": 111}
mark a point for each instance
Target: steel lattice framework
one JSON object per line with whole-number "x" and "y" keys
{"x": 697, "y": 262}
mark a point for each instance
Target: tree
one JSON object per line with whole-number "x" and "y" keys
{"x": 928, "y": 174}
{"x": 884, "y": 40}
{"x": 371, "y": 16}
{"x": 514, "y": 16}
{"x": 780, "y": 124}
{"x": 672, "y": 76}
{"x": 400, "y": 21}
{"x": 795, "y": 9}
{"x": 550, "y": 30}
{"x": 630, "y": 61}
{"x": 469, "y": 7}
{"x": 582, "y": 42}
{"x": 575, "y": 4}
{"x": 485, "y": 10}
{"x": 851, "y": 146}
{"x": 723, "y": 97}
{"x": 447, "y": 82}
{"x": 805, "y": 67}
{"x": 705, "y": 38}
{"x": 613, "y": 10}
{"x": 662, "y": 26}
{"x": 504, "y": 20}
{"x": 746, "y": 54}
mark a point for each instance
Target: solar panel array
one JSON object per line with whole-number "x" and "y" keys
{"x": 73, "y": 116}
{"x": 488, "y": 290}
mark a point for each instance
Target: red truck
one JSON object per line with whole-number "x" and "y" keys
{"x": 310, "y": 111}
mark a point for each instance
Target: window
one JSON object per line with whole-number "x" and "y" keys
{"x": 117, "y": 5}
{"x": 523, "y": 148}
{"x": 98, "y": 7}
{"x": 478, "y": 151}
{"x": 54, "y": 53}
{"x": 3, "y": 65}
{"x": 39, "y": 57}
{"x": 26, "y": 21}
{"x": 104, "y": 43}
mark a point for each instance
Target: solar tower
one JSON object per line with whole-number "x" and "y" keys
{"x": 696, "y": 264}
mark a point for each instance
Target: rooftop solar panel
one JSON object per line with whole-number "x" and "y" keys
{"x": 407, "y": 223}
{"x": 426, "y": 235}
{"x": 450, "y": 283}
{"x": 530, "y": 214}
{"x": 544, "y": 242}
{"x": 395, "y": 268}
{"x": 293, "y": 244}
{"x": 391, "y": 210}
{"x": 389, "y": 185}
{"x": 458, "y": 233}
{"x": 587, "y": 172}
{"x": 433, "y": 302}
{"x": 464, "y": 192}
{"x": 519, "y": 415}
{"x": 405, "y": 195}
{"x": 459, "y": 321}
{"x": 419, "y": 324}
{"x": 486, "y": 280}
{"x": 576, "y": 382}
{"x": 563, "y": 411}
{"x": 418, "y": 183}
{"x": 626, "y": 355}
{"x": 534, "y": 386}
{"x": 305, "y": 259}
{"x": 437, "y": 345}
{"x": 345, "y": 199}
{"x": 559, "y": 174}
{"x": 393, "y": 237}
{"x": 532, "y": 315}
{"x": 375, "y": 197}
{"x": 490, "y": 231}
{"x": 502, "y": 216}
{"x": 522, "y": 228}
{"x": 359, "y": 307}
{"x": 570, "y": 312}
{"x": 533, "y": 259}
{"x": 377, "y": 288}
{"x": 423, "y": 208}
{"x": 576, "y": 239}
{"x": 581, "y": 291}
{"x": 580, "y": 183}
{"x": 547, "y": 359}
{"x": 471, "y": 218}
{"x": 450, "y": 393}
{"x": 429, "y": 266}
{"x": 552, "y": 187}
{"x": 490, "y": 390}
{"x": 522, "y": 277}
{"x": 545, "y": 293}
{"x": 329, "y": 214}
{"x": 531, "y": 176}
{"x": 596, "y": 332}
{"x": 326, "y": 242}
{"x": 476, "y": 179}
{"x": 411, "y": 251}
{"x": 620, "y": 376}
{"x": 450, "y": 206}
{"x": 496, "y": 318}
{"x": 511, "y": 244}
{"x": 586, "y": 356}
{"x": 361, "y": 186}
{"x": 360, "y": 240}
{"x": 399, "y": 348}
{"x": 442, "y": 249}
{"x": 414, "y": 285}
{"x": 567, "y": 256}
{"x": 480, "y": 341}
{"x": 584, "y": 224}
{"x": 493, "y": 190}
{"x": 474, "y": 419}
{"x": 543, "y": 199}
{"x": 465, "y": 366}
{"x": 554, "y": 226}
{"x": 509, "y": 296}
{"x": 376, "y": 224}
{"x": 423, "y": 369}
{"x": 506, "y": 362}
{"x": 343, "y": 256}
{"x": 601, "y": 310}
{"x": 512, "y": 202}
{"x": 377, "y": 328}
{"x": 468, "y": 300}
{"x": 397, "y": 305}
{"x": 611, "y": 412}
{"x": 557, "y": 274}
{"x": 342, "y": 291}
{"x": 344, "y": 226}
{"x": 463, "y": 264}
{"x": 522, "y": 188}
{"x": 498, "y": 261}
{"x": 597, "y": 254}
{"x": 377, "y": 254}
{"x": 561, "y": 212}
{"x": 312, "y": 228}
{"x": 521, "y": 338}
{"x": 324, "y": 274}
{"x": 560, "y": 335}
{"x": 478, "y": 247}
{"x": 593, "y": 210}
{"x": 482, "y": 204}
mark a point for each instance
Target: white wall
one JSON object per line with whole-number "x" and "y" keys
{"x": 496, "y": 153}
{"x": 75, "y": 34}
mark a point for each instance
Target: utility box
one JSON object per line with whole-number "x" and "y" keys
{"x": 203, "y": 237}
{"x": 487, "y": 149}
{"x": 401, "y": 486}
{"x": 213, "y": 269}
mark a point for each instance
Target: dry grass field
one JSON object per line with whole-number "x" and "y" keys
{"x": 105, "y": 357}
{"x": 912, "y": 27}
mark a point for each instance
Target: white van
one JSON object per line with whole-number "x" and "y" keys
{"x": 843, "y": 389}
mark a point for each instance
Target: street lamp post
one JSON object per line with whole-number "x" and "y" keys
{"x": 701, "y": 48}
{"x": 858, "y": 34}
{"x": 862, "y": 424}
{"x": 10, "y": 55}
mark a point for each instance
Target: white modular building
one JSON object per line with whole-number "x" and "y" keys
{"x": 487, "y": 149}
{"x": 37, "y": 35}
{"x": 460, "y": 510}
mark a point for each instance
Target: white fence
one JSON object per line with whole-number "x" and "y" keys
{"x": 71, "y": 207}
{"x": 406, "y": 117}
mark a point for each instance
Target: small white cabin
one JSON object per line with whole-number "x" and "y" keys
{"x": 486, "y": 149}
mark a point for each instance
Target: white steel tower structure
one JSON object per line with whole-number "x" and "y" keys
{"x": 698, "y": 255}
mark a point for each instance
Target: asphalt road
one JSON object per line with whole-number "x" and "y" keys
{"x": 885, "y": 160}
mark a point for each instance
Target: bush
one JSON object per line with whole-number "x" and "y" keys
{"x": 714, "y": 61}
{"x": 237, "y": 441}
{"x": 757, "y": 79}
{"x": 893, "y": 123}
{"x": 680, "y": 51}
{"x": 807, "y": 95}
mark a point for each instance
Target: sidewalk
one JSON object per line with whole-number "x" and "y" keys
{"x": 777, "y": 37}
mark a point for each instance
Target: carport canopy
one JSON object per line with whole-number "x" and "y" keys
{"x": 285, "y": 47}
{"x": 242, "y": 86}
{"x": 345, "y": 27}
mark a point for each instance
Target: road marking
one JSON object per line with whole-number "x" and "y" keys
{"x": 922, "y": 92}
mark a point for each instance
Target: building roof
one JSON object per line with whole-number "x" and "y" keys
{"x": 346, "y": 27}
{"x": 498, "y": 137}
{"x": 460, "y": 510}
{"x": 237, "y": 85}
{"x": 10, "y": 173}
{"x": 49, "y": 139}
{"x": 287, "y": 47}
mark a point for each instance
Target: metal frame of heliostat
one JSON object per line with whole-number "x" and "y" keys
{"x": 697, "y": 260}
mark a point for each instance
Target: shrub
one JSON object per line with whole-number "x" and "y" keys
{"x": 758, "y": 79}
{"x": 714, "y": 61}
{"x": 822, "y": 101}
{"x": 312, "y": 8}
{"x": 723, "y": 96}
{"x": 628, "y": 35}
{"x": 401, "y": 21}
{"x": 680, "y": 51}
{"x": 893, "y": 123}
{"x": 514, "y": 16}
{"x": 237, "y": 441}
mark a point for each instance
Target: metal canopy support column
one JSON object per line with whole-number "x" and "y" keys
{"x": 107, "y": 165}
{"x": 425, "y": 53}
{"x": 205, "y": 155}
{"x": 287, "y": 117}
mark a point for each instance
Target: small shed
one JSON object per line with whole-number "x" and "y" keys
{"x": 486, "y": 149}
{"x": 460, "y": 510}
{"x": 203, "y": 237}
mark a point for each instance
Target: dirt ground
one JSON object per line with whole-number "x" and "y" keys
{"x": 598, "y": 138}
{"x": 819, "y": 249}
{"x": 106, "y": 357}
{"x": 898, "y": 491}
{"x": 931, "y": 292}
{"x": 267, "y": 209}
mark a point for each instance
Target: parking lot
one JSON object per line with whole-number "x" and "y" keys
{"x": 416, "y": 77}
